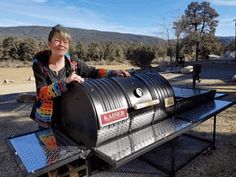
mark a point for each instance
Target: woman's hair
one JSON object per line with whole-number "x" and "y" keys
{"x": 61, "y": 30}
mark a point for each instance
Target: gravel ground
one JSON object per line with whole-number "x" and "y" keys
{"x": 14, "y": 120}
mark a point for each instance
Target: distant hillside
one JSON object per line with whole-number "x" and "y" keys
{"x": 226, "y": 40}
{"x": 41, "y": 33}
{"x": 83, "y": 35}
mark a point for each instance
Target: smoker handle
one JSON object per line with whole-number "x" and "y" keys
{"x": 146, "y": 104}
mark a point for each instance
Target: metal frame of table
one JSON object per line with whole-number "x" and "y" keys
{"x": 127, "y": 147}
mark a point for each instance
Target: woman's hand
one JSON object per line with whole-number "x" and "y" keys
{"x": 74, "y": 77}
{"x": 120, "y": 73}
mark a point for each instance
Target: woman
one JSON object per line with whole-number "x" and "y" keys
{"x": 54, "y": 69}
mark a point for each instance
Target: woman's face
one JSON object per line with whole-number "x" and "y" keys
{"x": 58, "y": 45}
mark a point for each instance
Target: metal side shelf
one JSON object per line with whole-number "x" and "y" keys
{"x": 204, "y": 112}
{"x": 127, "y": 148}
{"x": 123, "y": 150}
{"x": 188, "y": 92}
{"x": 41, "y": 151}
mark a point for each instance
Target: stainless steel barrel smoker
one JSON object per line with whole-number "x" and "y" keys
{"x": 100, "y": 110}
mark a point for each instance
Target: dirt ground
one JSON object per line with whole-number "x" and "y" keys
{"x": 14, "y": 118}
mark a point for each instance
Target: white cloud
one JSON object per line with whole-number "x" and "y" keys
{"x": 79, "y": 18}
{"x": 16, "y": 14}
{"x": 224, "y": 2}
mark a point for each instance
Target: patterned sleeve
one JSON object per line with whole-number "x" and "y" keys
{"x": 53, "y": 90}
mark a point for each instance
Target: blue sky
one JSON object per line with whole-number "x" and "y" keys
{"x": 146, "y": 17}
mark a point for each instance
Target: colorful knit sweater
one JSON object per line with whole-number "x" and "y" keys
{"x": 49, "y": 87}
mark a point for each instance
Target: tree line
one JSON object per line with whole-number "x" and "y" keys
{"x": 138, "y": 54}
{"x": 194, "y": 38}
